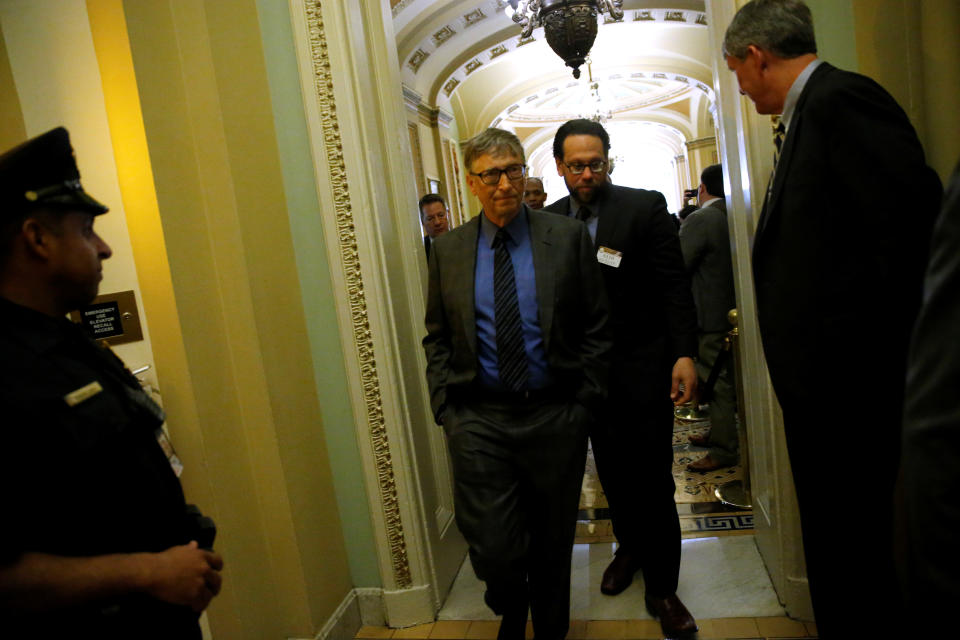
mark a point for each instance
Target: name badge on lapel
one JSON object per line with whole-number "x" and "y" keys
{"x": 83, "y": 393}
{"x": 609, "y": 257}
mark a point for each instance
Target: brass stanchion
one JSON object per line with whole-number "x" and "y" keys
{"x": 689, "y": 412}
{"x": 737, "y": 492}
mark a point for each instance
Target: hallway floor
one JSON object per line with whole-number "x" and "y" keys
{"x": 775, "y": 628}
{"x": 723, "y": 581}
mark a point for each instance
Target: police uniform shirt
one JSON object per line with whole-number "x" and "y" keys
{"x": 82, "y": 473}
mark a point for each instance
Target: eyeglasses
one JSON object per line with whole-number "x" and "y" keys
{"x": 491, "y": 177}
{"x": 597, "y": 166}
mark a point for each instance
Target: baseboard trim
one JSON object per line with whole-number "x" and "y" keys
{"x": 376, "y": 607}
{"x": 409, "y": 607}
{"x": 345, "y": 621}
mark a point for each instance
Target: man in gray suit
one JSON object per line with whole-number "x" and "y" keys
{"x": 517, "y": 348}
{"x": 930, "y": 506}
{"x": 705, "y": 242}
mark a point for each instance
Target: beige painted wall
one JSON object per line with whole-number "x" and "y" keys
{"x": 234, "y": 364}
{"x": 254, "y": 423}
{"x": 12, "y": 130}
{"x": 61, "y": 86}
{"x": 912, "y": 47}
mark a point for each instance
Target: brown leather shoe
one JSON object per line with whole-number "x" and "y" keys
{"x": 699, "y": 440}
{"x": 706, "y": 463}
{"x": 675, "y": 620}
{"x": 619, "y": 574}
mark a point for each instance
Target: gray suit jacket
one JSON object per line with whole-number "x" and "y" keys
{"x": 570, "y": 295}
{"x": 705, "y": 242}
{"x": 931, "y": 429}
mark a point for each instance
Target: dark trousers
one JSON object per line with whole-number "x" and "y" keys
{"x": 846, "y": 508}
{"x": 633, "y": 445}
{"x": 724, "y": 441}
{"x": 517, "y": 472}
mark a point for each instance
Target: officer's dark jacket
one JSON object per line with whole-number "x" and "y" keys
{"x": 82, "y": 480}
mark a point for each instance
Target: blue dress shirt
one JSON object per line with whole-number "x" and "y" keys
{"x": 521, "y": 255}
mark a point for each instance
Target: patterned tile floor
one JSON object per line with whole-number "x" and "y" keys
{"x": 701, "y": 513}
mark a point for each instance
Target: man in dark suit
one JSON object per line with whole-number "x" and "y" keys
{"x": 433, "y": 217}
{"x": 838, "y": 261}
{"x": 655, "y": 340}
{"x": 517, "y": 353}
{"x": 705, "y": 240}
{"x": 931, "y": 430}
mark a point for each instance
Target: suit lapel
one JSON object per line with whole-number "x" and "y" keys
{"x": 786, "y": 155}
{"x": 545, "y": 269}
{"x": 609, "y": 222}
{"x": 467, "y": 248}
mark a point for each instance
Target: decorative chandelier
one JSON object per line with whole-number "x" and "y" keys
{"x": 570, "y": 25}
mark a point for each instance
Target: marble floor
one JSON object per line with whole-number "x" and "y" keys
{"x": 721, "y": 577}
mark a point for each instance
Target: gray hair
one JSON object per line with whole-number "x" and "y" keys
{"x": 782, "y": 27}
{"x": 494, "y": 142}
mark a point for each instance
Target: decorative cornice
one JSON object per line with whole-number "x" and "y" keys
{"x": 427, "y": 115}
{"x": 417, "y": 59}
{"x": 450, "y": 86}
{"x": 700, "y": 143}
{"x": 411, "y": 99}
{"x": 443, "y": 35}
{"x": 474, "y": 17}
{"x": 642, "y": 101}
{"x": 400, "y": 6}
{"x": 350, "y": 263}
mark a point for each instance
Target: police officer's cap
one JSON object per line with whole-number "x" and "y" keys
{"x": 42, "y": 172}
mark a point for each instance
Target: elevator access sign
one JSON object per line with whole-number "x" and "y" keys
{"x": 112, "y": 317}
{"x": 102, "y": 320}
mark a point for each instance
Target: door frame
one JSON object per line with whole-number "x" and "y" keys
{"x": 746, "y": 152}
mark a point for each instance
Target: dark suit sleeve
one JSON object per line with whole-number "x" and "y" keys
{"x": 437, "y": 343}
{"x": 931, "y": 431}
{"x": 672, "y": 279}
{"x": 881, "y": 190}
{"x": 597, "y": 340}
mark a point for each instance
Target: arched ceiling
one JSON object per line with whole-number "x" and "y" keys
{"x": 466, "y": 58}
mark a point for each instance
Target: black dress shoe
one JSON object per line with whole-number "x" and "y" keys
{"x": 513, "y": 626}
{"x": 675, "y": 620}
{"x": 619, "y": 574}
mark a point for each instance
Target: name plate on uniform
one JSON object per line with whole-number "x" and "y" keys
{"x": 112, "y": 317}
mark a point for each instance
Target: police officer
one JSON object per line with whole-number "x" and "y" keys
{"x": 96, "y": 540}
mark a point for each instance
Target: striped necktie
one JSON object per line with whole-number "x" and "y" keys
{"x": 511, "y": 353}
{"x": 778, "y": 134}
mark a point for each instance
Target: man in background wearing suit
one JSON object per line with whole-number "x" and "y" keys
{"x": 655, "y": 340}
{"x": 838, "y": 262}
{"x": 705, "y": 240}
{"x": 517, "y": 353}
{"x": 433, "y": 217}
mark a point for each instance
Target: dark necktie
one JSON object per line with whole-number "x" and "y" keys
{"x": 511, "y": 355}
{"x": 778, "y": 135}
{"x": 583, "y": 214}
